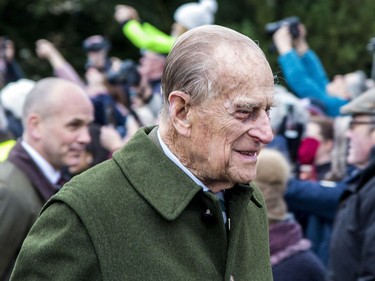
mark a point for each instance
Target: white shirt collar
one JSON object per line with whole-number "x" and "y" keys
{"x": 51, "y": 173}
{"x": 175, "y": 160}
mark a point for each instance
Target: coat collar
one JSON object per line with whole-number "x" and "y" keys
{"x": 142, "y": 161}
{"x": 23, "y": 161}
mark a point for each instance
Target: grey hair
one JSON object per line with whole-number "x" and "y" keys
{"x": 34, "y": 101}
{"x": 359, "y": 86}
{"x": 193, "y": 65}
{"x": 188, "y": 69}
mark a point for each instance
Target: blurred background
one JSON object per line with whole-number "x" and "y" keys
{"x": 339, "y": 31}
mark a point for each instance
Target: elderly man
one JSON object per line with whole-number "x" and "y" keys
{"x": 352, "y": 251}
{"x": 174, "y": 203}
{"x": 55, "y": 119}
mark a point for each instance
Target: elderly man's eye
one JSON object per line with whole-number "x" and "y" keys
{"x": 245, "y": 114}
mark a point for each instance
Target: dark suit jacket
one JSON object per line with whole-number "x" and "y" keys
{"x": 23, "y": 191}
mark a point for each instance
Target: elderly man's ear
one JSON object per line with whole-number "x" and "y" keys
{"x": 180, "y": 111}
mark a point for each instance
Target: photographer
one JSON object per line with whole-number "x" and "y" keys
{"x": 103, "y": 82}
{"x": 305, "y": 74}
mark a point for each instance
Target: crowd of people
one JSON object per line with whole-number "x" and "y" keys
{"x": 189, "y": 164}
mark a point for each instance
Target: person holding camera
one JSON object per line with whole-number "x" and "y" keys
{"x": 101, "y": 84}
{"x": 305, "y": 74}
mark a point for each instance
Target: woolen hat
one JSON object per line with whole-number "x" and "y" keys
{"x": 363, "y": 104}
{"x": 13, "y": 95}
{"x": 272, "y": 174}
{"x": 192, "y": 15}
{"x": 307, "y": 150}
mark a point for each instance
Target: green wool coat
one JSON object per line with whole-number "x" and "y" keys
{"x": 140, "y": 217}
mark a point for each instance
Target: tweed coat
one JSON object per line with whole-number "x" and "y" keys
{"x": 140, "y": 217}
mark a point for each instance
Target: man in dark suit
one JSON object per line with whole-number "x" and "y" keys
{"x": 55, "y": 118}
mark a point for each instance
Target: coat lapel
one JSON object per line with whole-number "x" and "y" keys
{"x": 174, "y": 189}
{"x": 20, "y": 158}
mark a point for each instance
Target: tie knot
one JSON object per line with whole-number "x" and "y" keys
{"x": 61, "y": 181}
{"x": 220, "y": 196}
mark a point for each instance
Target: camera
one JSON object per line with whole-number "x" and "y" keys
{"x": 371, "y": 45}
{"x": 127, "y": 74}
{"x": 293, "y": 22}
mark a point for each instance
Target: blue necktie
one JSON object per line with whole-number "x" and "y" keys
{"x": 220, "y": 195}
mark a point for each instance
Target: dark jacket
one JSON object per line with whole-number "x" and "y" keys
{"x": 23, "y": 191}
{"x": 303, "y": 266}
{"x": 291, "y": 257}
{"x": 352, "y": 252}
{"x": 319, "y": 201}
{"x": 138, "y": 216}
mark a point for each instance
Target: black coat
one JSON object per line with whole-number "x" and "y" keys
{"x": 352, "y": 252}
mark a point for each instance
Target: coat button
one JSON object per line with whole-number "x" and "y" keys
{"x": 208, "y": 217}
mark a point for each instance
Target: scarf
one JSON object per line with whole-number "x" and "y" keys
{"x": 286, "y": 240}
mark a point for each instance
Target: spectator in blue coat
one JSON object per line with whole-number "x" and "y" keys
{"x": 306, "y": 76}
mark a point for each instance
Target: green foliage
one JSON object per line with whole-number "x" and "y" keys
{"x": 337, "y": 30}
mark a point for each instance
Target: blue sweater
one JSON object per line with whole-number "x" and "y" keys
{"x": 307, "y": 78}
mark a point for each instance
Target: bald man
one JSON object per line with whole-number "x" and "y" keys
{"x": 175, "y": 202}
{"x": 56, "y": 116}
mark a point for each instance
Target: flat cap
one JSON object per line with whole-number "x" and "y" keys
{"x": 363, "y": 104}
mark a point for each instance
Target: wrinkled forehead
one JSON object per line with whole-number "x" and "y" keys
{"x": 243, "y": 63}
{"x": 247, "y": 85}
{"x": 250, "y": 98}
{"x": 245, "y": 72}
